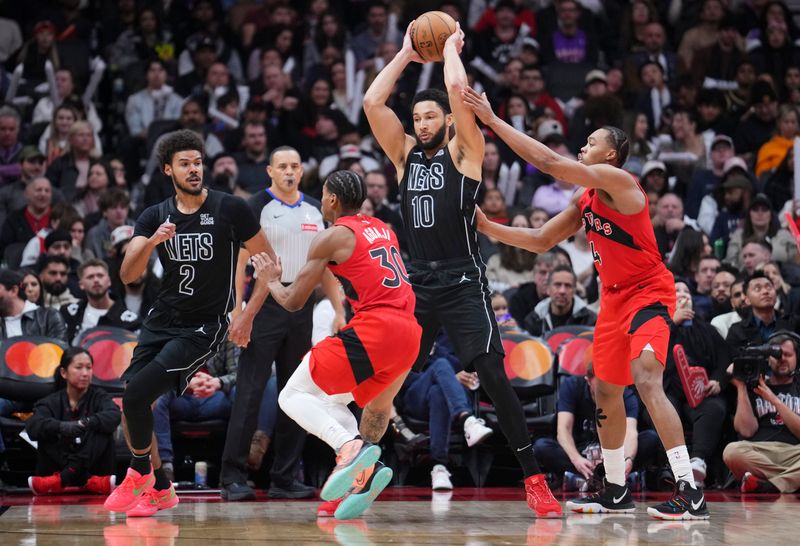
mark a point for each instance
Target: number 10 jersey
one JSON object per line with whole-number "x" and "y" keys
{"x": 438, "y": 205}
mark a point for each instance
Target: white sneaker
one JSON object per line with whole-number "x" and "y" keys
{"x": 440, "y": 478}
{"x": 699, "y": 471}
{"x": 475, "y": 430}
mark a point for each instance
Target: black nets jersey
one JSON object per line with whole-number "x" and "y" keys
{"x": 200, "y": 260}
{"x": 438, "y": 205}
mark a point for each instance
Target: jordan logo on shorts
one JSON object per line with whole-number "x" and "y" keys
{"x": 463, "y": 278}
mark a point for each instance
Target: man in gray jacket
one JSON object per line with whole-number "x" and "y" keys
{"x": 562, "y": 307}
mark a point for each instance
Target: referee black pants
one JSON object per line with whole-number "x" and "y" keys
{"x": 284, "y": 338}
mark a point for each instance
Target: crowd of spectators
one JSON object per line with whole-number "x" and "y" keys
{"x": 707, "y": 90}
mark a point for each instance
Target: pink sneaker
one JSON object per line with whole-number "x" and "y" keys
{"x": 154, "y": 501}
{"x": 128, "y": 493}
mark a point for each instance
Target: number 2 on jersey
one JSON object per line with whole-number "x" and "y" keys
{"x": 187, "y": 276}
{"x": 595, "y": 254}
{"x": 391, "y": 260}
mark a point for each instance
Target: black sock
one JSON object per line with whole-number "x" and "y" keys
{"x": 141, "y": 463}
{"x": 162, "y": 482}
{"x": 69, "y": 477}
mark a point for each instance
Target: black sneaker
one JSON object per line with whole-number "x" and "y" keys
{"x": 612, "y": 499}
{"x": 237, "y": 492}
{"x": 294, "y": 490}
{"x": 686, "y": 503}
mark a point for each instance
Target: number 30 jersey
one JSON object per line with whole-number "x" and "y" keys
{"x": 438, "y": 205}
{"x": 623, "y": 245}
{"x": 200, "y": 260}
{"x": 374, "y": 276}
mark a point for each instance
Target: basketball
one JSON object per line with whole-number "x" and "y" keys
{"x": 429, "y": 33}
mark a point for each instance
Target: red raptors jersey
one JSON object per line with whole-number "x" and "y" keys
{"x": 374, "y": 275}
{"x": 623, "y": 245}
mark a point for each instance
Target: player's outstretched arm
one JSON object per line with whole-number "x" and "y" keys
{"x": 325, "y": 248}
{"x": 612, "y": 180}
{"x": 383, "y": 122}
{"x": 468, "y": 140}
{"x": 538, "y": 240}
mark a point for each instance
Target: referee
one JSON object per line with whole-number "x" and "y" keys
{"x": 290, "y": 220}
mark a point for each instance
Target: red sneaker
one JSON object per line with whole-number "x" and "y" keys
{"x": 154, "y": 501}
{"x": 46, "y": 485}
{"x": 100, "y": 485}
{"x": 754, "y": 484}
{"x": 540, "y": 498}
{"x": 127, "y": 495}
{"x": 327, "y": 508}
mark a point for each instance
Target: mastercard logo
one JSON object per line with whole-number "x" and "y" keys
{"x": 111, "y": 350}
{"x": 27, "y": 358}
{"x": 526, "y": 358}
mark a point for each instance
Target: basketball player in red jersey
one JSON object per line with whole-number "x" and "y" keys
{"x": 355, "y": 364}
{"x": 637, "y": 300}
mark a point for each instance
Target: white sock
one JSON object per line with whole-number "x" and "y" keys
{"x": 326, "y": 417}
{"x": 681, "y": 464}
{"x": 614, "y": 463}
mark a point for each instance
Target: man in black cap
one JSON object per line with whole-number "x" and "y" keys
{"x": 204, "y": 54}
{"x": 704, "y": 180}
{"x": 758, "y": 125}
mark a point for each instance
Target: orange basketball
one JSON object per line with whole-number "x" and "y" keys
{"x": 429, "y": 33}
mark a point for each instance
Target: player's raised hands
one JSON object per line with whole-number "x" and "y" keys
{"x": 267, "y": 270}
{"x": 408, "y": 48}
{"x": 456, "y": 39}
{"x": 165, "y": 232}
{"x": 479, "y": 104}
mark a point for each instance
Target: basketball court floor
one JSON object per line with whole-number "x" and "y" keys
{"x": 405, "y": 516}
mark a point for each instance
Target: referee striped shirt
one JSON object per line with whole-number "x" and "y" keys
{"x": 290, "y": 227}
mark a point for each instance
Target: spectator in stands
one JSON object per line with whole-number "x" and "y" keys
{"x": 31, "y": 287}
{"x": 599, "y": 108}
{"x": 715, "y": 65}
{"x": 495, "y": 45}
{"x": 23, "y": 317}
{"x": 772, "y": 152}
{"x": 711, "y": 204}
{"x": 655, "y": 50}
{"x": 366, "y": 43}
{"x": 653, "y": 178}
{"x": 555, "y": 197}
{"x": 10, "y": 147}
{"x": 36, "y": 51}
{"x": 377, "y": 193}
{"x": 12, "y": 195}
{"x": 766, "y": 418}
{"x": 77, "y": 229}
{"x": 561, "y": 307}
{"x": 203, "y": 51}
{"x": 58, "y": 242}
{"x": 114, "y": 204}
{"x": 567, "y": 41}
{"x": 704, "y": 34}
{"x": 529, "y": 294}
{"x": 532, "y": 87}
{"x": 74, "y": 428}
{"x": 721, "y": 290}
{"x": 712, "y": 116}
{"x": 686, "y": 151}
{"x": 23, "y": 224}
{"x": 12, "y": 38}
{"x": 777, "y": 52}
{"x": 704, "y": 181}
{"x": 87, "y": 199}
{"x": 55, "y": 140}
{"x": 97, "y": 309}
{"x": 576, "y": 432}
{"x": 252, "y": 161}
{"x": 704, "y": 347}
{"x": 763, "y": 320}
{"x": 55, "y": 277}
{"x": 668, "y": 222}
{"x": 157, "y": 101}
{"x": 757, "y": 128}
{"x": 736, "y": 192}
{"x": 761, "y": 223}
{"x": 638, "y": 15}
{"x": 69, "y": 172}
{"x": 224, "y": 173}
{"x": 738, "y": 99}
{"x": 689, "y": 248}
{"x": 437, "y": 395}
{"x": 655, "y": 97}
{"x": 148, "y": 39}
{"x": 511, "y": 266}
{"x": 700, "y": 286}
{"x": 755, "y": 253}
{"x": 788, "y": 296}
{"x": 739, "y": 308}
{"x": 779, "y": 184}
{"x": 67, "y": 93}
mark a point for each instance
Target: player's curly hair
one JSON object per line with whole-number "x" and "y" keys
{"x": 349, "y": 187}
{"x": 618, "y": 140}
{"x": 179, "y": 141}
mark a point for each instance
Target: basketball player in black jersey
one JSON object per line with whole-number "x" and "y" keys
{"x": 197, "y": 235}
{"x": 439, "y": 178}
